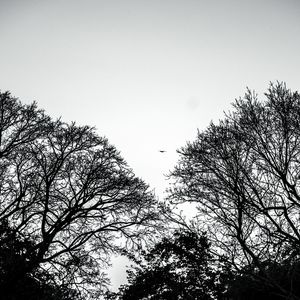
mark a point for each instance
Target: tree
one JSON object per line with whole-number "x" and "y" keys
{"x": 180, "y": 267}
{"x": 69, "y": 191}
{"x": 249, "y": 283}
{"x": 244, "y": 175}
{"x": 15, "y": 254}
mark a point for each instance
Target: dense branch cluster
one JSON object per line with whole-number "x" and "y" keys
{"x": 68, "y": 190}
{"x": 244, "y": 174}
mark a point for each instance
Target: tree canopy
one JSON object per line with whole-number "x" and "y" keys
{"x": 70, "y": 193}
{"x": 178, "y": 267}
{"x": 244, "y": 175}
{"x": 68, "y": 200}
{"x": 36, "y": 284}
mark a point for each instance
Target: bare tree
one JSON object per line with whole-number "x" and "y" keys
{"x": 69, "y": 190}
{"x": 244, "y": 175}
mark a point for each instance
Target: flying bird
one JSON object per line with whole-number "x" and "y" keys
{"x": 162, "y": 151}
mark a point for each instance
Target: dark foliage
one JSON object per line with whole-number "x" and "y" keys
{"x": 15, "y": 255}
{"x": 180, "y": 267}
{"x": 252, "y": 284}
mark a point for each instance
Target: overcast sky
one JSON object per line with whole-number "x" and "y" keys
{"x": 146, "y": 74}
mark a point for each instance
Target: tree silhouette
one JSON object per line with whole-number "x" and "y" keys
{"x": 250, "y": 283}
{"x": 69, "y": 192}
{"x": 180, "y": 267}
{"x": 244, "y": 175}
{"x": 15, "y": 254}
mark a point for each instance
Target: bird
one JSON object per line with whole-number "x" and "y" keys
{"x": 162, "y": 151}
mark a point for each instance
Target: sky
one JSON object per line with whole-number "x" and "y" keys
{"x": 146, "y": 73}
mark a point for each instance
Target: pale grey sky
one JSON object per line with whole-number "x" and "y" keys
{"x": 147, "y": 74}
